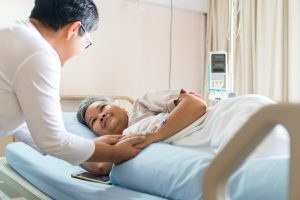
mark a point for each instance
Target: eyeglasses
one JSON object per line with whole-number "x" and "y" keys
{"x": 88, "y": 39}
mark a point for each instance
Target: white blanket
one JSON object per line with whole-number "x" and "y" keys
{"x": 222, "y": 121}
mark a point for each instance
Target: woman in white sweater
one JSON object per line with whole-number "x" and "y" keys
{"x": 32, "y": 53}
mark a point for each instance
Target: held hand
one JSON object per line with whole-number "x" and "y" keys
{"x": 109, "y": 139}
{"x": 150, "y": 138}
{"x": 126, "y": 148}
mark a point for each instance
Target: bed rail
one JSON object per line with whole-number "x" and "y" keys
{"x": 244, "y": 142}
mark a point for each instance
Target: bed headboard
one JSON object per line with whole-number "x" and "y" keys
{"x": 70, "y": 103}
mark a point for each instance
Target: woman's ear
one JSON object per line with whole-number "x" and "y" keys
{"x": 72, "y": 29}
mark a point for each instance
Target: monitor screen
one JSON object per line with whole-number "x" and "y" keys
{"x": 218, "y": 63}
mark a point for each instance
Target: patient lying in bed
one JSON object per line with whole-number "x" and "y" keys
{"x": 178, "y": 118}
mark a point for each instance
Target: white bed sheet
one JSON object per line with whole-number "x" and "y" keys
{"x": 53, "y": 177}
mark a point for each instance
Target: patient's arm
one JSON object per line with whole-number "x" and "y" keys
{"x": 189, "y": 108}
{"x": 101, "y": 168}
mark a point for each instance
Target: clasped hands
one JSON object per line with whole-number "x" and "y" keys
{"x": 137, "y": 141}
{"x": 122, "y": 147}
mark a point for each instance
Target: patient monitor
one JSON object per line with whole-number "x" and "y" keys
{"x": 218, "y": 85}
{"x": 218, "y": 72}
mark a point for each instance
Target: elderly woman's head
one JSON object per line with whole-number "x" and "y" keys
{"x": 103, "y": 116}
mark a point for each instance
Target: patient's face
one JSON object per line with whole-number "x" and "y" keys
{"x": 106, "y": 119}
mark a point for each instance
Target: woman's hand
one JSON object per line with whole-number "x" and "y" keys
{"x": 116, "y": 148}
{"x": 126, "y": 148}
{"x": 109, "y": 139}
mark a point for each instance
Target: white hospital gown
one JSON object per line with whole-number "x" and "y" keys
{"x": 151, "y": 110}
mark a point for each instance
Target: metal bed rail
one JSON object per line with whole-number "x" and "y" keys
{"x": 245, "y": 141}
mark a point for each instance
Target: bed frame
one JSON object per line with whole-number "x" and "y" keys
{"x": 14, "y": 184}
{"x": 244, "y": 142}
{"x": 70, "y": 102}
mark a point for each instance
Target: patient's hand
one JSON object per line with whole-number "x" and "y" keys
{"x": 150, "y": 138}
{"x": 116, "y": 149}
{"x": 109, "y": 139}
{"x": 100, "y": 168}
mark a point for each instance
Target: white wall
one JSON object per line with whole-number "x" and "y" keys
{"x": 192, "y": 5}
{"x": 130, "y": 55}
{"x": 11, "y": 10}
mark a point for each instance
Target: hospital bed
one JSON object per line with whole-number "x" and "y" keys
{"x": 161, "y": 171}
{"x": 14, "y": 186}
{"x": 249, "y": 136}
{"x": 52, "y": 177}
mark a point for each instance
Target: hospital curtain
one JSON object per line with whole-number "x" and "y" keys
{"x": 267, "y": 49}
{"x": 216, "y": 30}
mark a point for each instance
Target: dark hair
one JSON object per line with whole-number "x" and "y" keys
{"x": 84, "y": 104}
{"x": 55, "y": 14}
